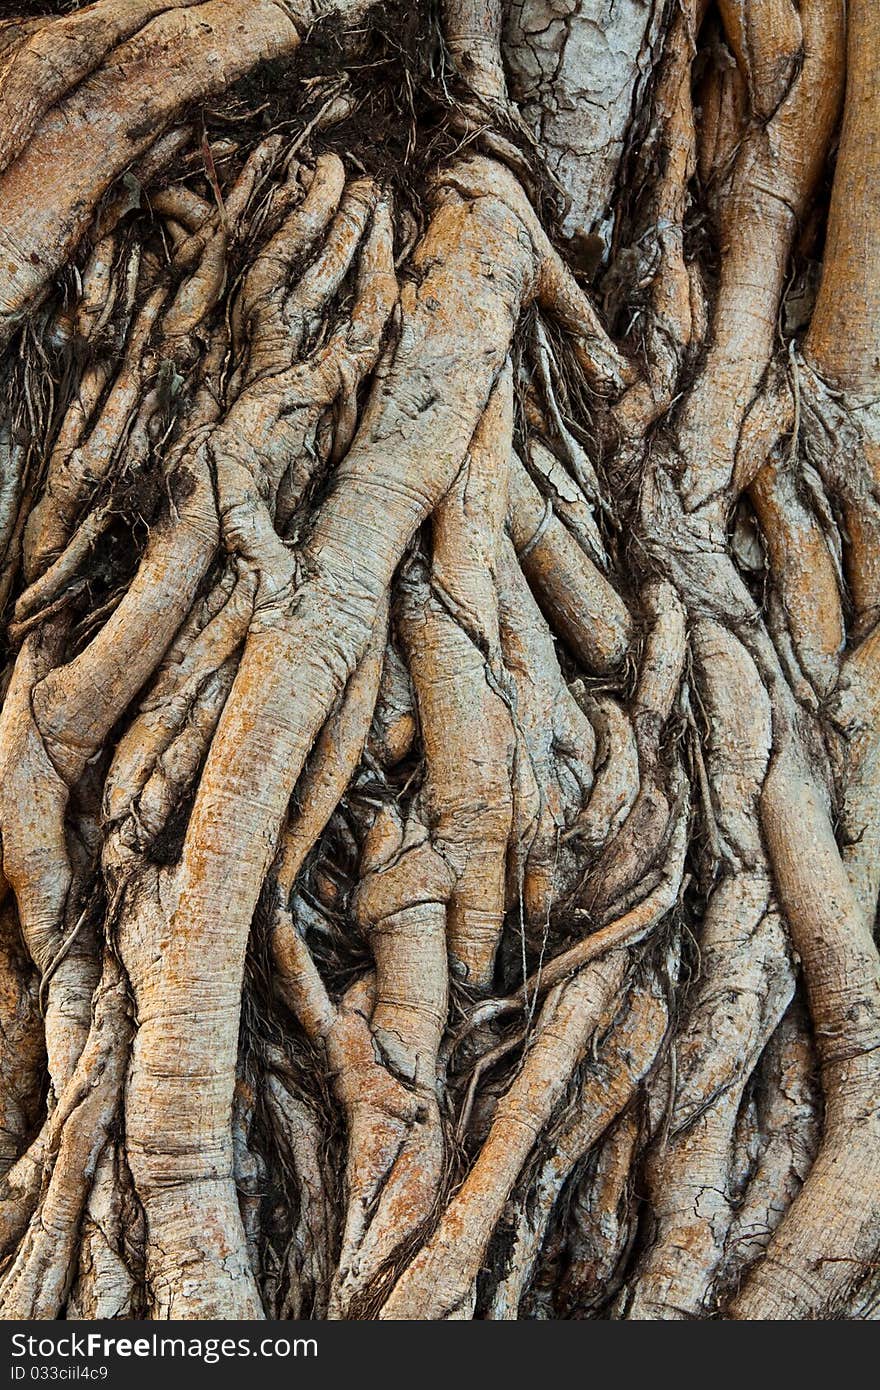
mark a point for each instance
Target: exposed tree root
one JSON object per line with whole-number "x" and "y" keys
{"x": 439, "y": 730}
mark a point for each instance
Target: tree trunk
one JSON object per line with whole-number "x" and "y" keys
{"x": 440, "y": 743}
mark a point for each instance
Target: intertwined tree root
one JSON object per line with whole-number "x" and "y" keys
{"x": 440, "y": 738}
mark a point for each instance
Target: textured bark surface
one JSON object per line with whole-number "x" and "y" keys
{"x": 440, "y": 730}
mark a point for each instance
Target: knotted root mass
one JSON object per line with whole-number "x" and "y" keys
{"x": 440, "y": 732}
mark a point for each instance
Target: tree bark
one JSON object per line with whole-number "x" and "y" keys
{"x": 440, "y": 730}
